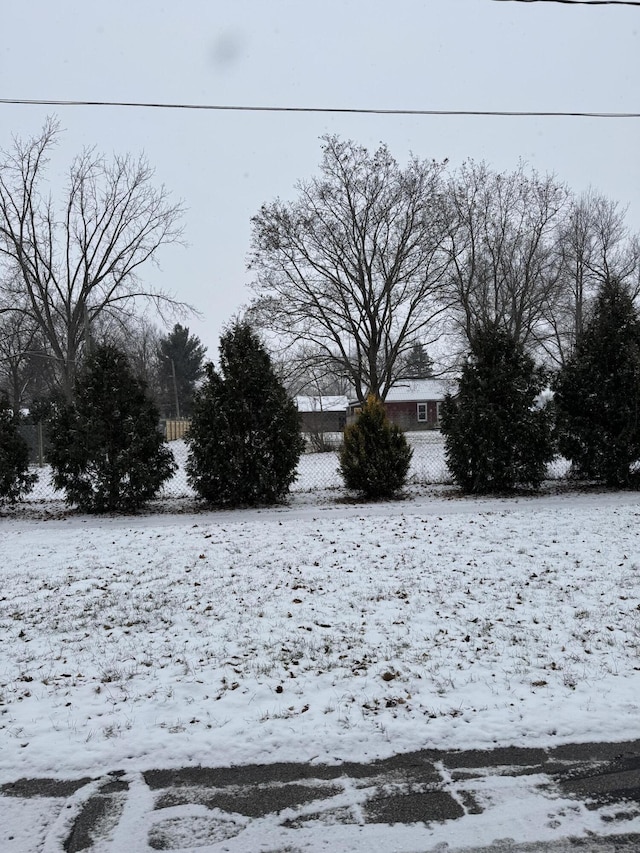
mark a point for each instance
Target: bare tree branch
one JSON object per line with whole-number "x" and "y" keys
{"x": 503, "y": 250}
{"x": 354, "y": 267}
{"x": 75, "y": 266}
{"x": 594, "y": 246}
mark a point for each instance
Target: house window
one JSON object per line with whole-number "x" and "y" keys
{"x": 422, "y": 412}
{"x": 438, "y": 408}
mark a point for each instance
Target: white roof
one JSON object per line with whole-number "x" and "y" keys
{"x": 419, "y": 390}
{"x": 416, "y": 391}
{"x": 326, "y": 403}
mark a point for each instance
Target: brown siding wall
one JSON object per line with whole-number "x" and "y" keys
{"x": 405, "y": 414}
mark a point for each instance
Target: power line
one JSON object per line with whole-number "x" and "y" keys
{"x": 339, "y": 110}
{"x": 579, "y": 2}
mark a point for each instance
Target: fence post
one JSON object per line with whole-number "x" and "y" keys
{"x": 40, "y": 446}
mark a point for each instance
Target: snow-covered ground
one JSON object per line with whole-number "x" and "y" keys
{"x": 323, "y": 633}
{"x": 320, "y": 632}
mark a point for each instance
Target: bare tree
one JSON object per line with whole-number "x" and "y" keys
{"x": 68, "y": 267}
{"x": 307, "y": 372}
{"x": 21, "y": 368}
{"x": 502, "y": 246}
{"x": 354, "y": 267}
{"x": 595, "y": 246}
{"x": 138, "y": 337}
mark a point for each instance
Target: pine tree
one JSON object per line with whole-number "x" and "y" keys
{"x": 244, "y": 439}
{"x": 597, "y": 393}
{"x": 375, "y": 455}
{"x": 417, "y": 364}
{"x": 181, "y": 363}
{"x": 106, "y": 449}
{"x": 15, "y": 479}
{"x": 497, "y": 435}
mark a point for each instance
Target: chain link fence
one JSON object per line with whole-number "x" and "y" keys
{"x": 316, "y": 471}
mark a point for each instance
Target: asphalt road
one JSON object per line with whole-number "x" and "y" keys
{"x": 290, "y": 808}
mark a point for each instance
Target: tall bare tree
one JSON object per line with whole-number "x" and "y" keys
{"x": 69, "y": 264}
{"x": 595, "y": 246}
{"x": 308, "y": 372}
{"x": 502, "y": 247}
{"x": 354, "y": 267}
{"x": 22, "y": 370}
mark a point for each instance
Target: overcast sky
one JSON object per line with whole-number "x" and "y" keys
{"x": 413, "y": 54}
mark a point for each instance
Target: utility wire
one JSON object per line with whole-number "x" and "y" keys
{"x": 579, "y": 2}
{"x": 342, "y": 110}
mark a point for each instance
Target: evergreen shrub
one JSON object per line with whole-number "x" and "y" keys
{"x": 597, "y": 393}
{"x": 375, "y": 455}
{"x": 244, "y": 440}
{"x": 107, "y": 452}
{"x": 15, "y": 479}
{"x": 498, "y": 433}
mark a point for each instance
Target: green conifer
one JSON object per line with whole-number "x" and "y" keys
{"x": 597, "y": 393}
{"x": 15, "y": 479}
{"x": 107, "y": 452}
{"x": 498, "y": 435}
{"x": 375, "y": 455}
{"x": 244, "y": 439}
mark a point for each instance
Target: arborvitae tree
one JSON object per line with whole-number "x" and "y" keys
{"x": 497, "y": 434}
{"x": 597, "y": 393}
{"x": 244, "y": 440}
{"x": 375, "y": 455}
{"x": 181, "y": 364}
{"x": 106, "y": 450}
{"x": 15, "y": 479}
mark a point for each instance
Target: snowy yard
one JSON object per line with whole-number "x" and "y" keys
{"x": 319, "y": 633}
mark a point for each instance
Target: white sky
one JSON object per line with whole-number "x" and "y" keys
{"x": 415, "y": 54}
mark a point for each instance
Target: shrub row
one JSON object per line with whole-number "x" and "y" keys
{"x": 504, "y": 425}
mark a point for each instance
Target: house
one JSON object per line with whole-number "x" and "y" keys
{"x": 413, "y": 404}
{"x": 327, "y": 413}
